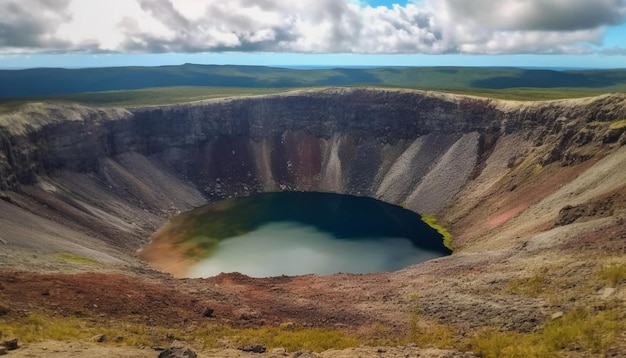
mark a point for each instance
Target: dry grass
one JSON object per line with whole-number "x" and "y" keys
{"x": 315, "y": 339}
{"x": 618, "y": 124}
{"x": 579, "y": 330}
{"x": 613, "y": 274}
{"x": 532, "y": 286}
{"x": 38, "y": 327}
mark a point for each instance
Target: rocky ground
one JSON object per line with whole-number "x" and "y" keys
{"x": 78, "y": 349}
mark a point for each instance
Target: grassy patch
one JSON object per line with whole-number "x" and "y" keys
{"x": 431, "y": 220}
{"x": 531, "y": 286}
{"x": 315, "y": 339}
{"x": 613, "y": 273}
{"x": 378, "y": 334}
{"x": 580, "y": 329}
{"x": 490, "y": 343}
{"x": 139, "y": 86}
{"x": 159, "y": 96}
{"x": 37, "y": 327}
{"x": 425, "y": 333}
{"x": 618, "y": 125}
{"x": 528, "y": 94}
{"x": 184, "y": 94}
{"x": 10, "y": 106}
{"x": 76, "y": 259}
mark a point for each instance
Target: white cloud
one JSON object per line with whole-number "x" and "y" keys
{"x": 528, "y": 26}
{"x": 614, "y": 51}
{"x": 316, "y": 26}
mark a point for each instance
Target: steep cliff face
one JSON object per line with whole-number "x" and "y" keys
{"x": 115, "y": 175}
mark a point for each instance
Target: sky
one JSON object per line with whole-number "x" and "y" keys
{"x": 526, "y": 33}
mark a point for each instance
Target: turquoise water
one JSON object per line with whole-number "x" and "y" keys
{"x": 296, "y": 233}
{"x": 294, "y": 249}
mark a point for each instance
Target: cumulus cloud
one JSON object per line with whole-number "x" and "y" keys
{"x": 23, "y": 28}
{"x": 528, "y": 26}
{"x": 536, "y": 15}
{"x": 307, "y": 26}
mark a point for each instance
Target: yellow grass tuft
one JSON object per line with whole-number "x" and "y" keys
{"x": 38, "y": 327}
{"x": 431, "y": 220}
{"x": 618, "y": 124}
{"x": 580, "y": 329}
{"x": 613, "y": 273}
{"x": 76, "y": 259}
{"x": 531, "y": 286}
{"x": 315, "y": 339}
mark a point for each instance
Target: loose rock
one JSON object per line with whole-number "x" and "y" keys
{"x": 11, "y": 344}
{"x": 557, "y": 315}
{"x": 99, "y": 338}
{"x": 208, "y": 312}
{"x": 607, "y": 292}
{"x": 281, "y": 351}
{"x": 178, "y": 352}
{"x": 304, "y": 354}
{"x": 254, "y": 348}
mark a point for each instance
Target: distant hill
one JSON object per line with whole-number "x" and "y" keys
{"x": 54, "y": 81}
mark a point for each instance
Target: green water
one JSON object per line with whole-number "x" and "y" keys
{"x": 294, "y": 233}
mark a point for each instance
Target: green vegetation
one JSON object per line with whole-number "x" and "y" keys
{"x": 132, "y": 86}
{"x": 531, "y": 94}
{"x": 431, "y": 220}
{"x": 490, "y": 343}
{"x": 531, "y": 286}
{"x": 202, "y": 229}
{"x": 316, "y": 339}
{"x": 159, "y": 96}
{"x": 143, "y": 97}
{"x": 37, "y": 327}
{"x": 11, "y": 105}
{"x": 582, "y": 329}
{"x": 579, "y": 329}
{"x": 426, "y": 334}
{"x": 76, "y": 259}
{"x": 613, "y": 274}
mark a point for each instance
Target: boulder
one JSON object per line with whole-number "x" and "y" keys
{"x": 99, "y": 338}
{"x": 208, "y": 312}
{"x": 11, "y": 344}
{"x": 178, "y": 352}
{"x": 254, "y": 348}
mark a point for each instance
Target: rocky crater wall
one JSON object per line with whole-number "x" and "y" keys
{"x": 419, "y": 149}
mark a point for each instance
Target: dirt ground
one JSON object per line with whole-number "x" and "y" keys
{"x": 56, "y": 349}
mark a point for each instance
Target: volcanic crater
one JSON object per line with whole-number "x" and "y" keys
{"x": 527, "y": 190}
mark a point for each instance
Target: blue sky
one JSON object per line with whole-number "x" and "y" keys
{"x": 527, "y": 33}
